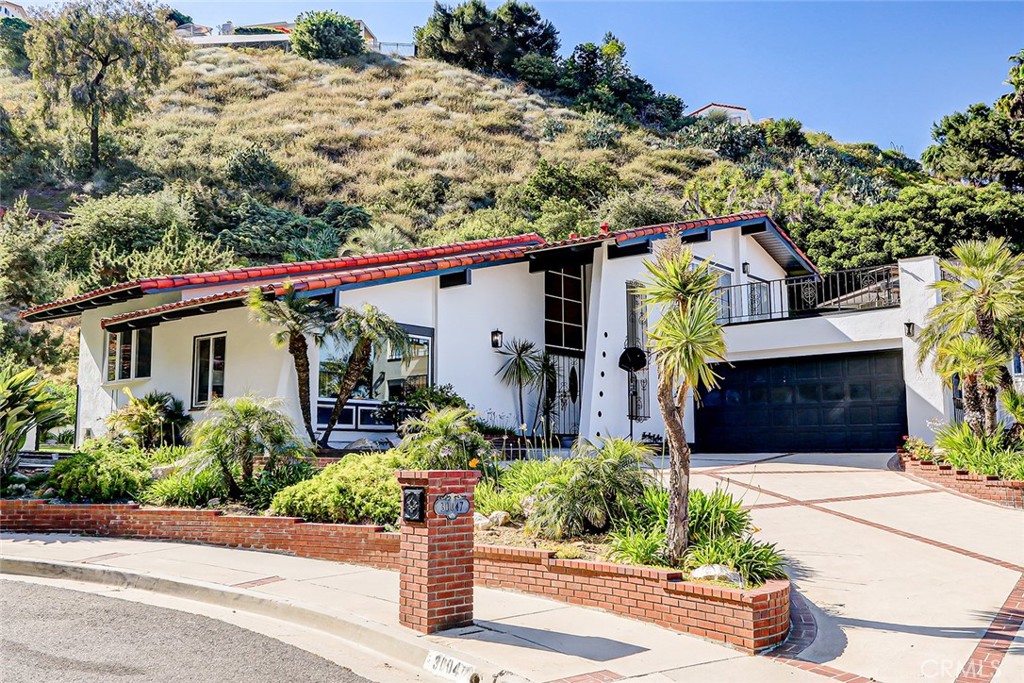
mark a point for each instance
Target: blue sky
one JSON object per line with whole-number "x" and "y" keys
{"x": 862, "y": 71}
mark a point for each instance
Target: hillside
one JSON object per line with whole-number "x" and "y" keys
{"x": 443, "y": 153}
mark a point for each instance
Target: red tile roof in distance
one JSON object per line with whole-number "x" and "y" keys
{"x": 284, "y": 270}
{"x": 338, "y": 279}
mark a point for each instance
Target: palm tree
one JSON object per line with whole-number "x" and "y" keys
{"x": 978, "y": 364}
{"x": 298, "y": 319}
{"x": 983, "y": 296}
{"x": 366, "y": 331}
{"x": 523, "y": 367}
{"x": 235, "y": 432}
{"x": 684, "y": 340}
{"x": 444, "y": 439}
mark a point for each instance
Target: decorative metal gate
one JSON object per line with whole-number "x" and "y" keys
{"x": 565, "y": 394}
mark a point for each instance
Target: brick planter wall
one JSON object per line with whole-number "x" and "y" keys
{"x": 748, "y": 620}
{"x": 1008, "y": 493}
{"x": 369, "y": 545}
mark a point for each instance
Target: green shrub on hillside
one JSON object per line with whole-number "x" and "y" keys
{"x": 359, "y": 489}
{"x": 252, "y": 169}
{"x": 104, "y": 472}
{"x": 326, "y": 35}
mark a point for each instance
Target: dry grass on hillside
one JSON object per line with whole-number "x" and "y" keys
{"x": 370, "y": 130}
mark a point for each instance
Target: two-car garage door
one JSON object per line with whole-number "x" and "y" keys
{"x": 855, "y": 401}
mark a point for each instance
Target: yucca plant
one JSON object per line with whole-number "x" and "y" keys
{"x": 685, "y": 339}
{"x": 523, "y": 367}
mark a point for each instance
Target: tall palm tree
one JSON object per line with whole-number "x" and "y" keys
{"x": 366, "y": 331}
{"x": 978, "y": 364}
{"x": 983, "y": 295}
{"x": 298, "y": 320}
{"x": 684, "y": 340}
{"x": 523, "y": 367}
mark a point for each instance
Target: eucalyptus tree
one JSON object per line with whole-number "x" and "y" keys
{"x": 297, "y": 321}
{"x": 101, "y": 58}
{"x": 685, "y": 339}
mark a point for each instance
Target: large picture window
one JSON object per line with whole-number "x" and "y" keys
{"x": 129, "y": 354}
{"x": 208, "y": 369}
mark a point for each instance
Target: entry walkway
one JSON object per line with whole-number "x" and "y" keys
{"x": 900, "y": 582}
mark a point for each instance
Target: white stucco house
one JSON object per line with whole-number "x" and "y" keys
{"x": 822, "y": 363}
{"x": 10, "y": 10}
{"x": 733, "y": 113}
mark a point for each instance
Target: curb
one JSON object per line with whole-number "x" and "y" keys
{"x": 408, "y": 649}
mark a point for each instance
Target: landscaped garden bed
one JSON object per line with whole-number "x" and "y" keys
{"x": 965, "y": 471}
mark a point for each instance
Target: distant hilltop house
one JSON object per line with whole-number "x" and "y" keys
{"x": 274, "y": 33}
{"x": 190, "y": 29}
{"x": 735, "y": 114}
{"x": 13, "y": 11}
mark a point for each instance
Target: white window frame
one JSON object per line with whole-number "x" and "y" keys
{"x": 196, "y": 403}
{"x": 116, "y": 358}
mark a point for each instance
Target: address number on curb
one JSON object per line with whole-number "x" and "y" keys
{"x": 451, "y": 505}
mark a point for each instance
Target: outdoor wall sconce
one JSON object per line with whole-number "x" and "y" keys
{"x": 496, "y": 339}
{"x": 909, "y": 329}
{"x": 746, "y": 268}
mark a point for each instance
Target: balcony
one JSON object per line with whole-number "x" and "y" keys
{"x": 843, "y": 291}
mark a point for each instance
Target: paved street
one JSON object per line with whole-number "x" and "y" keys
{"x": 51, "y": 634}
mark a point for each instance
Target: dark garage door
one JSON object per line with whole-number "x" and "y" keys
{"x": 815, "y": 403}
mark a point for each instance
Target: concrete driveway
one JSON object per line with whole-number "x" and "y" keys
{"x": 906, "y": 582}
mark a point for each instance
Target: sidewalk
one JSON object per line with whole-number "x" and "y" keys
{"x": 538, "y": 639}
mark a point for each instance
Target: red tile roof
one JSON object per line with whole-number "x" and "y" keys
{"x": 284, "y": 270}
{"x": 716, "y": 104}
{"x": 687, "y": 225}
{"x": 337, "y": 279}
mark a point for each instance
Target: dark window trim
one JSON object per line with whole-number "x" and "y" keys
{"x": 134, "y": 376}
{"x": 192, "y": 391}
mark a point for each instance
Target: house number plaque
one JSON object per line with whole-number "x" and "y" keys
{"x": 451, "y": 506}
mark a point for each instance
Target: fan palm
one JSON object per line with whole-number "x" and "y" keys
{"x": 978, "y": 364}
{"x": 365, "y": 331}
{"x": 684, "y": 340}
{"x": 377, "y": 239}
{"x": 523, "y": 367}
{"x": 235, "y": 432}
{"x": 982, "y": 295}
{"x": 298, "y": 320}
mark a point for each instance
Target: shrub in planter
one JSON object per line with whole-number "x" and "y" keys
{"x": 261, "y": 491}
{"x": 1000, "y": 455}
{"x": 156, "y": 419}
{"x": 756, "y": 561}
{"x": 186, "y": 489}
{"x": 598, "y": 486}
{"x": 633, "y": 545}
{"x": 358, "y": 489}
{"x": 103, "y": 472}
{"x": 489, "y": 497}
{"x": 716, "y": 515}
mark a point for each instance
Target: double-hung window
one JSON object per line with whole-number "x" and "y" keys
{"x": 208, "y": 368}
{"x": 129, "y": 354}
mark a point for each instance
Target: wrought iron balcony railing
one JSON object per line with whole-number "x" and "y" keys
{"x": 843, "y": 291}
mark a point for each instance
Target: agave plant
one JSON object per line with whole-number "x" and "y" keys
{"x": 24, "y": 406}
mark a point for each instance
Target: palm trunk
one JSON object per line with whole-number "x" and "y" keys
{"x": 298, "y": 347}
{"x": 974, "y": 414}
{"x": 677, "y": 533}
{"x": 989, "y": 398}
{"x": 234, "y": 490}
{"x": 522, "y": 409}
{"x": 357, "y": 364}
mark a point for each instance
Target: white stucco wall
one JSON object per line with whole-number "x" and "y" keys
{"x": 252, "y": 363}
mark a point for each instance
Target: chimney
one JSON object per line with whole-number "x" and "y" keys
{"x": 604, "y": 228}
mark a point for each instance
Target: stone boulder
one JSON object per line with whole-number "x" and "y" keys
{"x": 717, "y": 572}
{"x": 481, "y": 522}
{"x": 499, "y": 518}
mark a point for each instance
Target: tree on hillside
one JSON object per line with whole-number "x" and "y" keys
{"x": 326, "y": 35}
{"x": 101, "y": 58}
{"x": 12, "y": 44}
{"x": 684, "y": 340}
{"x": 521, "y": 31}
{"x": 983, "y": 144}
{"x": 177, "y": 17}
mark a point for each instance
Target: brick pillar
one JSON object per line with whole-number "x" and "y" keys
{"x": 436, "y": 588}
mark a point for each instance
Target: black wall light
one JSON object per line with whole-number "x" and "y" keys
{"x": 496, "y": 339}
{"x": 909, "y": 329}
{"x": 746, "y": 268}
